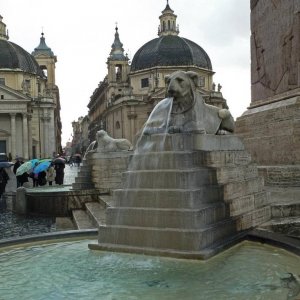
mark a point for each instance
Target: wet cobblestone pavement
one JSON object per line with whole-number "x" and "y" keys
{"x": 13, "y": 225}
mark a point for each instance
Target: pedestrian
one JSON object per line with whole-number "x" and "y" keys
{"x": 22, "y": 179}
{"x": 50, "y": 174}
{"x": 78, "y": 160}
{"x": 71, "y": 161}
{"x": 34, "y": 177}
{"x": 3, "y": 181}
{"x": 59, "y": 169}
{"x": 17, "y": 164}
{"x": 41, "y": 178}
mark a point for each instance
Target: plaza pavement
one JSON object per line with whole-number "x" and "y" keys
{"x": 12, "y": 225}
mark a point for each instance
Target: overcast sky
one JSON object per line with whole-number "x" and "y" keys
{"x": 80, "y": 34}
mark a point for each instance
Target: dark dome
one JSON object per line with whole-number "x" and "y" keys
{"x": 170, "y": 50}
{"x": 13, "y": 56}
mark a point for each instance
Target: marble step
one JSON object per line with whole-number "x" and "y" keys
{"x": 289, "y": 209}
{"x": 289, "y": 226}
{"x": 168, "y": 198}
{"x": 167, "y": 238}
{"x": 165, "y": 217}
{"x": 82, "y": 185}
{"x": 96, "y": 211}
{"x": 82, "y": 220}
{"x": 189, "y": 178}
{"x": 164, "y": 160}
{"x": 167, "y": 252}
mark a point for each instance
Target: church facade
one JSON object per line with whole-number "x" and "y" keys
{"x": 30, "y": 124}
{"x": 126, "y": 96}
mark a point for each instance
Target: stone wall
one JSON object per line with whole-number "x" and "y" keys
{"x": 107, "y": 169}
{"x": 271, "y": 133}
{"x": 275, "y": 48}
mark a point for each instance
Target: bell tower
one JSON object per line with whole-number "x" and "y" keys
{"x": 117, "y": 62}
{"x": 46, "y": 59}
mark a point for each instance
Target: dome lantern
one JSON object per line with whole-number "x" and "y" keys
{"x": 3, "y": 32}
{"x": 168, "y": 22}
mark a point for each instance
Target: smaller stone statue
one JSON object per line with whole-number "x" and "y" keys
{"x": 109, "y": 144}
{"x": 219, "y": 87}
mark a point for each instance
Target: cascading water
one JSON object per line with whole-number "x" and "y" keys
{"x": 157, "y": 123}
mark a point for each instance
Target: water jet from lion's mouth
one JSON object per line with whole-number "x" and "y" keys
{"x": 157, "y": 123}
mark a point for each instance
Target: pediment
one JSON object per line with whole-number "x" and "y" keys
{"x": 10, "y": 94}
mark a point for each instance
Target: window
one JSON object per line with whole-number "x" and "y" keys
{"x": 145, "y": 82}
{"x": 118, "y": 125}
{"x": 2, "y": 81}
{"x": 201, "y": 81}
{"x": 2, "y": 97}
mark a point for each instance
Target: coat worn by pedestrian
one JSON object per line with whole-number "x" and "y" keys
{"x": 59, "y": 169}
{"x": 3, "y": 180}
{"x": 51, "y": 174}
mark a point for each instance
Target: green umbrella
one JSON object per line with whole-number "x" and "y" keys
{"x": 24, "y": 168}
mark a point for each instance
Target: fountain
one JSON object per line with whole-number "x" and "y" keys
{"x": 190, "y": 190}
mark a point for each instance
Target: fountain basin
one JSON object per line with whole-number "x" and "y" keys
{"x": 69, "y": 270}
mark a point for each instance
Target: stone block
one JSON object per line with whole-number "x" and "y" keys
{"x": 254, "y": 218}
{"x": 237, "y": 189}
{"x": 229, "y": 174}
{"x": 20, "y": 205}
{"x": 241, "y": 205}
{"x": 209, "y": 142}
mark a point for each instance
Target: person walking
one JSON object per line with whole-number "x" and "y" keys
{"x": 59, "y": 169}
{"x": 17, "y": 164}
{"x": 3, "y": 181}
{"x": 50, "y": 174}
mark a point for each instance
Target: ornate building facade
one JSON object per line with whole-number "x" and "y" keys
{"x": 124, "y": 99}
{"x": 30, "y": 124}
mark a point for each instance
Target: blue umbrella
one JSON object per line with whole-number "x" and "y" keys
{"x": 34, "y": 161}
{"x": 43, "y": 166}
{"x": 6, "y": 164}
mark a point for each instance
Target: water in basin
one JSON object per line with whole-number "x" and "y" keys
{"x": 69, "y": 270}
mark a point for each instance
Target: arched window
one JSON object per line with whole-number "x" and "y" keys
{"x": 118, "y": 126}
{"x": 169, "y": 25}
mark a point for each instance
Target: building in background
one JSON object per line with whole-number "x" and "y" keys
{"x": 124, "y": 99}
{"x": 30, "y": 123}
{"x": 80, "y": 140}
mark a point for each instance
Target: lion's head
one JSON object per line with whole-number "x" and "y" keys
{"x": 181, "y": 86}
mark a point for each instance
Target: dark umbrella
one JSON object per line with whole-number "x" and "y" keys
{"x": 5, "y": 164}
{"x": 59, "y": 161}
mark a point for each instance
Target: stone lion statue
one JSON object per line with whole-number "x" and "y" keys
{"x": 189, "y": 112}
{"x": 109, "y": 144}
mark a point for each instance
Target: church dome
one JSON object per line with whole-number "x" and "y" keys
{"x": 12, "y": 56}
{"x": 170, "y": 50}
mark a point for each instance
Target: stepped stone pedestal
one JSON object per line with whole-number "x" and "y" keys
{"x": 189, "y": 195}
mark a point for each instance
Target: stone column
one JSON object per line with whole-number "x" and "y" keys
{"x": 46, "y": 136}
{"x": 25, "y": 136}
{"x": 30, "y": 136}
{"x": 13, "y": 134}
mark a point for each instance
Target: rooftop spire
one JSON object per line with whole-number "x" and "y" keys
{"x": 117, "y": 51}
{"x": 42, "y": 48}
{"x": 3, "y": 32}
{"x": 168, "y": 22}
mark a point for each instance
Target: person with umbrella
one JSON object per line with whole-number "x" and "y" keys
{"x": 3, "y": 181}
{"x": 59, "y": 165}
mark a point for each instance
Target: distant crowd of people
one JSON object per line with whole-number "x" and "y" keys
{"x": 52, "y": 173}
